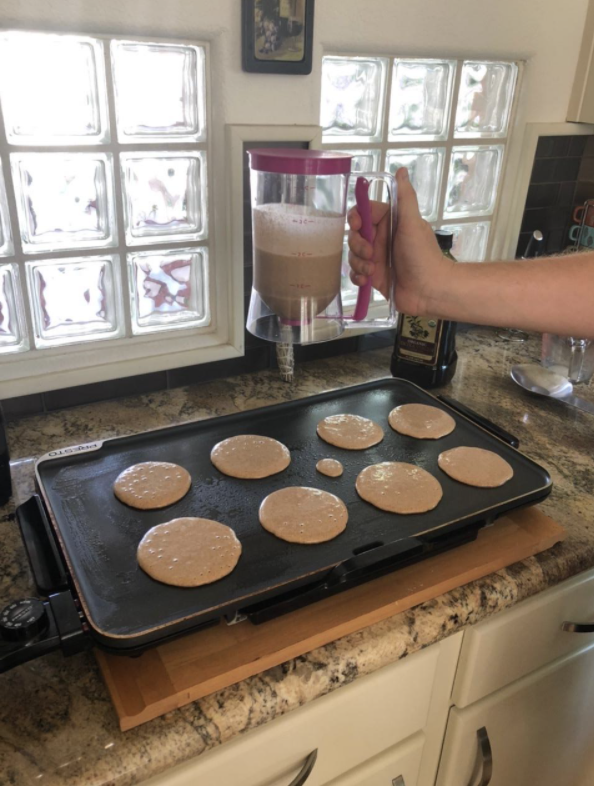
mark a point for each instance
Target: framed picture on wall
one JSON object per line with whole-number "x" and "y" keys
{"x": 277, "y": 36}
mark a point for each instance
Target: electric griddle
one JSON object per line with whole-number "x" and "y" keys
{"x": 81, "y": 540}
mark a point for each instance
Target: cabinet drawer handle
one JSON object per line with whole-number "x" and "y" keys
{"x": 486, "y": 757}
{"x": 305, "y": 771}
{"x": 578, "y": 627}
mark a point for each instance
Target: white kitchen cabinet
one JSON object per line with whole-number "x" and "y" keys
{"x": 398, "y": 766}
{"x": 391, "y": 721}
{"x": 517, "y": 642}
{"x": 540, "y": 730}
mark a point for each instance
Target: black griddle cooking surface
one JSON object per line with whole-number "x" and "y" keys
{"x": 99, "y": 535}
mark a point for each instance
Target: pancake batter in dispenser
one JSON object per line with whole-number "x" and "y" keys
{"x": 298, "y": 224}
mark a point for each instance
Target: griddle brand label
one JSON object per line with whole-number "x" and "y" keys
{"x": 73, "y": 449}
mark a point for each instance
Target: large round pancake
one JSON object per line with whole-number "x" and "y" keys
{"x": 152, "y": 484}
{"x": 351, "y": 432}
{"x": 299, "y": 514}
{"x": 421, "y": 421}
{"x": 475, "y": 467}
{"x": 189, "y": 552}
{"x": 250, "y": 456}
{"x": 399, "y": 487}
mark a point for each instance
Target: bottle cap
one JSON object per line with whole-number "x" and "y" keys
{"x": 445, "y": 239}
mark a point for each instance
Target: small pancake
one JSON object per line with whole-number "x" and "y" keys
{"x": 189, "y": 552}
{"x": 351, "y": 432}
{"x": 152, "y": 484}
{"x": 250, "y": 456}
{"x": 398, "y": 487}
{"x": 299, "y": 514}
{"x": 330, "y": 467}
{"x": 421, "y": 421}
{"x": 475, "y": 467}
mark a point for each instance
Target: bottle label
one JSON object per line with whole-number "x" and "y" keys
{"x": 419, "y": 339}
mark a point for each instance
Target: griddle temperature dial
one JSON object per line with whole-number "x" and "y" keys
{"x": 22, "y": 620}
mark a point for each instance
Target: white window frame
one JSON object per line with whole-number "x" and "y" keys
{"x": 383, "y": 145}
{"x": 39, "y": 370}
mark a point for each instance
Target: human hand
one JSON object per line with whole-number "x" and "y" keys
{"x": 419, "y": 263}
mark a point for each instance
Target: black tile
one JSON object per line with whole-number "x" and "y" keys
{"x": 103, "y": 391}
{"x": 583, "y": 190}
{"x": 543, "y": 170}
{"x": 247, "y": 214}
{"x": 379, "y": 340}
{"x": 566, "y": 193}
{"x": 556, "y": 241}
{"x": 560, "y": 146}
{"x": 256, "y": 359}
{"x": 567, "y": 241}
{"x": 586, "y": 170}
{"x": 326, "y": 349}
{"x": 250, "y": 341}
{"x": 248, "y": 250}
{"x": 248, "y": 278}
{"x": 542, "y": 195}
{"x": 566, "y": 169}
{"x": 589, "y": 149}
{"x": 19, "y": 406}
{"x": 534, "y": 219}
{"x": 523, "y": 241}
{"x": 577, "y": 145}
{"x": 557, "y": 217}
{"x": 544, "y": 148}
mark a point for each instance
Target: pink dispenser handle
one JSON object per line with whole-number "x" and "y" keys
{"x": 364, "y": 208}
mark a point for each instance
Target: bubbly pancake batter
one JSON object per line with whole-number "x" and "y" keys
{"x": 330, "y": 467}
{"x": 398, "y": 487}
{"x": 250, "y": 456}
{"x": 189, "y": 552}
{"x": 152, "y": 484}
{"x": 421, "y": 421}
{"x": 475, "y": 467}
{"x": 351, "y": 432}
{"x": 303, "y": 515}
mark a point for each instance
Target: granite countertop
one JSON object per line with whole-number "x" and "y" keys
{"x": 57, "y": 725}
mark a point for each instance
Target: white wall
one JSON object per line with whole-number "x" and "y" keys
{"x": 545, "y": 33}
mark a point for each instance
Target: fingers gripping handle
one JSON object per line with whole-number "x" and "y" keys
{"x": 364, "y": 208}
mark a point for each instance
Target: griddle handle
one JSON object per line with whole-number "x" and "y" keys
{"x": 46, "y": 563}
{"x": 374, "y": 558}
{"x": 480, "y": 420}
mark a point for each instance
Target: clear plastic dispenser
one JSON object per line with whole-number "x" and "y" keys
{"x": 299, "y": 200}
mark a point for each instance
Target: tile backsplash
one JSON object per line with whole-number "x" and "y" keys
{"x": 562, "y": 178}
{"x": 257, "y": 357}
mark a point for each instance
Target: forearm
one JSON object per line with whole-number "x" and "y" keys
{"x": 555, "y": 294}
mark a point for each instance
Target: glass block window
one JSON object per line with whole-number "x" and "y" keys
{"x": 168, "y": 288}
{"x": 104, "y": 190}
{"x": 446, "y": 120}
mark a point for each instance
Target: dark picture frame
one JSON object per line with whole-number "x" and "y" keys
{"x": 277, "y": 36}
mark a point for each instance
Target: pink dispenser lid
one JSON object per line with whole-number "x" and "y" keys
{"x": 288, "y": 161}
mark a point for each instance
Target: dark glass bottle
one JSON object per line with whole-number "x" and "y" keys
{"x": 425, "y": 347}
{"x": 5, "y": 483}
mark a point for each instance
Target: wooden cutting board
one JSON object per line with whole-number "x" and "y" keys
{"x": 177, "y": 673}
